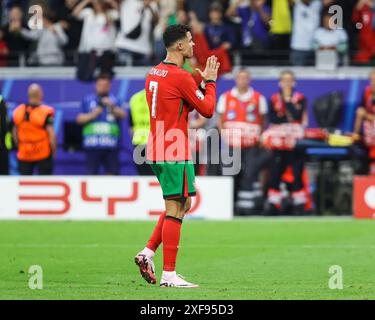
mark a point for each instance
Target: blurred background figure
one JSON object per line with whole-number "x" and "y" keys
{"x": 330, "y": 38}
{"x": 50, "y": 42}
{"x": 281, "y": 28}
{"x": 139, "y": 117}
{"x": 100, "y": 118}
{"x": 218, "y": 33}
{"x": 200, "y": 8}
{"x": 97, "y": 44}
{"x": 363, "y": 16}
{"x": 306, "y": 19}
{"x": 242, "y": 110}
{"x": 135, "y": 39}
{"x": 63, "y": 11}
{"x": 5, "y": 137}
{"x": 34, "y": 134}
{"x": 168, "y": 15}
{"x": 16, "y": 45}
{"x": 253, "y": 17}
{"x": 365, "y": 121}
{"x": 288, "y": 106}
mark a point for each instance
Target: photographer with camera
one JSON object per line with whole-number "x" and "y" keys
{"x": 101, "y": 117}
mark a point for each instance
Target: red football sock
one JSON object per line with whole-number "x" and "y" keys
{"x": 155, "y": 239}
{"x": 171, "y": 239}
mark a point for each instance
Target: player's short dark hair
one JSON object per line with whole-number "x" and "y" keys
{"x": 174, "y": 33}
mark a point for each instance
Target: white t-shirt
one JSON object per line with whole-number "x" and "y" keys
{"x": 97, "y": 33}
{"x": 325, "y": 37}
{"x": 133, "y": 9}
{"x": 221, "y": 105}
{"x": 305, "y": 21}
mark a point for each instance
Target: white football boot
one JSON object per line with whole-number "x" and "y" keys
{"x": 171, "y": 279}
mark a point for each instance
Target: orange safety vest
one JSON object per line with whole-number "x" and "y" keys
{"x": 33, "y": 139}
{"x": 242, "y": 120}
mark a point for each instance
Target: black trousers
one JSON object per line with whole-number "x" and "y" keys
{"x": 45, "y": 167}
{"x": 281, "y": 160}
{"x": 248, "y": 191}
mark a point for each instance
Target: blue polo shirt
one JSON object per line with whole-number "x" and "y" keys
{"x": 104, "y": 131}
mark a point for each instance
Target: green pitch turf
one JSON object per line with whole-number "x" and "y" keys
{"x": 242, "y": 259}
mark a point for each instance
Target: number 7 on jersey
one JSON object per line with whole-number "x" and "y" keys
{"x": 153, "y": 87}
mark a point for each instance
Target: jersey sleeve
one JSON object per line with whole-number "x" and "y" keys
{"x": 203, "y": 103}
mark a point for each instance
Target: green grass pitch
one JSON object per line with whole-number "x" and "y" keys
{"x": 272, "y": 258}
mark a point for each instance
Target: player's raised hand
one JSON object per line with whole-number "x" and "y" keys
{"x": 212, "y": 67}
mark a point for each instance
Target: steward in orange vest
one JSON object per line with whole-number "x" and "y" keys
{"x": 242, "y": 112}
{"x": 34, "y": 134}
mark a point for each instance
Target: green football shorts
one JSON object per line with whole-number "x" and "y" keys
{"x": 176, "y": 178}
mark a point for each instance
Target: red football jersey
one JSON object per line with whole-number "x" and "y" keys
{"x": 171, "y": 94}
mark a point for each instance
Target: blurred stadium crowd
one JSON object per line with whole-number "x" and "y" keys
{"x": 240, "y": 32}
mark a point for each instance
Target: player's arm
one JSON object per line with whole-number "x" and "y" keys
{"x": 51, "y": 133}
{"x": 203, "y": 103}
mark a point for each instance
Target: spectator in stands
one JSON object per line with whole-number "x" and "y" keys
{"x": 134, "y": 41}
{"x": 50, "y": 41}
{"x": 167, "y": 16}
{"x": 72, "y": 26}
{"x": 330, "y": 38}
{"x": 5, "y": 137}
{"x": 243, "y": 108}
{"x": 255, "y": 17}
{"x": 366, "y": 111}
{"x": 3, "y": 53}
{"x": 100, "y": 117}
{"x": 34, "y": 134}
{"x": 281, "y": 28}
{"x": 363, "y": 16}
{"x": 16, "y": 44}
{"x": 200, "y": 8}
{"x": 139, "y": 117}
{"x": 365, "y": 120}
{"x": 218, "y": 33}
{"x": 202, "y": 50}
{"x": 344, "y": 10}
{"x": 287, "y": 107}
{"x": 98, "y": 36}
{"x": 306, "y": 19}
